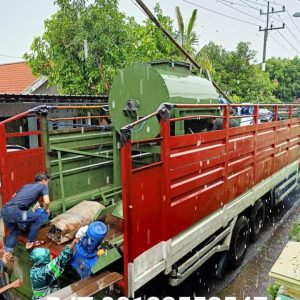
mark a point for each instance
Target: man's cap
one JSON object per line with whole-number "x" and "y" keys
{"x": 41, "y": 176}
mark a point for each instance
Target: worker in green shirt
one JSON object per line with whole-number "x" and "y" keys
{"x": 44, "y": 273}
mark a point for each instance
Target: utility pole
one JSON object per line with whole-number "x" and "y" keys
{"x": 267, "y": 29}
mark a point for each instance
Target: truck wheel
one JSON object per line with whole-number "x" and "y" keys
{"x": 239, "y": 242}
{"x": 257, "y": 219}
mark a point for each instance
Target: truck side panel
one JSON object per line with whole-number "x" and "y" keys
{"x": 200, "y": 174}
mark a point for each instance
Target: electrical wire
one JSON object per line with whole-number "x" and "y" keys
{"x": 275, "y": 3}
{"x": 139, "y": 8}
{"x": 218, "y": 13}
{"x": 242, "y": 5}
{"x": 257, "y": 3}
{"x": 10, "y": 56}
{"x": 250, "y": 6}
{"x": 292, "y": 34}
{"x": 293, "y": 21}
{"x": 289, "y": 30}
{"x": 240, "y": 11}
{"x": 288, "y": 50}
{"x": 288, "y": 41}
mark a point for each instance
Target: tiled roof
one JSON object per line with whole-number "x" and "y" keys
{"x": 15, "y": 77}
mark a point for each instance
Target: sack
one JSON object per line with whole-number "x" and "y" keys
{"x": 63, "y": 228}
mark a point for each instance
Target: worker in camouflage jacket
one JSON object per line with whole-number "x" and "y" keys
{"x": 45, "y": 272}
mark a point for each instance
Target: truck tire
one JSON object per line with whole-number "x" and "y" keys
{"x": 257, "y": 219}
{"x": 239, "y": 242}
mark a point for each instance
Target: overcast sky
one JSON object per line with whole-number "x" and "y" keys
{"x": 218, "y": 21}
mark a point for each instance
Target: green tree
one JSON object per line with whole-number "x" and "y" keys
{"x": 285, "y": 73}
{"x": 60, "y": 54}
{"x": 150, "y": 43}
{"x": 236, "y": 73}
{"x": 187, "y": 37}
{"x": 113, "y": 40}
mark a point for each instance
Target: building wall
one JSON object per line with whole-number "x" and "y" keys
{"x": 44, "y": 89}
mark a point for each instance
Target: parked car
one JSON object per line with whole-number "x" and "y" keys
{"x": 11, "y": 148}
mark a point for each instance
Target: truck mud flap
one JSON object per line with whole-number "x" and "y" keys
{"x": 87, "y": 287}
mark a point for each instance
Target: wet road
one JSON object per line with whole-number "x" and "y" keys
{"x": 251, "y": 279}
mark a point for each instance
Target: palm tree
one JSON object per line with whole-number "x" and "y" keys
{"x": 187, "y": 36}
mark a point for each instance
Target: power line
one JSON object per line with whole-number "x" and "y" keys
{"x": 238, "y": 4}
{"x": 293, "y": 21}
{"x": 273, "y": 38}
{"x": 257, "y": 3}
{"x": 240, "y": 11}
{"x": 288, "y": 41}
{"x": 10, "y": 56}
{"x": 139, "y": 8}
{"x": 275, "y": 3}
{"x": 294, "y": 36}
{"x": 249, "y": 5}
{"x": 276, "y": 19}
{"x": 218, "y": 13}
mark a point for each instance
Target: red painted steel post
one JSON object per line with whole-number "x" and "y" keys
{"x": 126, "y": 173}
{"x": 165, "y": 157}
{"x": 290, "y": 113}
{"x": 255, "y": 119}
{"x": 276, "y": 113}
{"x": 226, "y": 116}
{"x": 2, "y": 164}
{"x": 40, "y": 136}
{"x": 226, "y": 122}
{"x": 274, "y": 168}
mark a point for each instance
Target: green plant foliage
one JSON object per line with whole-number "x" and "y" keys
{"x": 113, "y": 40}
{"x": 60, "y": 52}
{"x": 273, "y": 290}
{"x": 187, "y": 38}
{"x": 60, "y": 55}
{"x": 294, "y": 233}
{"x": 238, "y": 76}
{"x": 285, "y": 73}
{"x": 149, "y": 42}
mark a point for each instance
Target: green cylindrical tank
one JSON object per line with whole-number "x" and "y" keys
{"x": 139, "y": 89}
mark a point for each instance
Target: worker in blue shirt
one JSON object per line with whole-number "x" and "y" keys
{"x": 16, "y": 211}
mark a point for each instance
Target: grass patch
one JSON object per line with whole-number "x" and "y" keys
{"x": 273, "y": 290}
{"x": 294, "y": 233}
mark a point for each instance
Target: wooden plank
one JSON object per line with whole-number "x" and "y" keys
{"x": 88, "y": 286}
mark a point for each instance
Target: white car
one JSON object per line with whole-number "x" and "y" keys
{"x": 12, "y": 148}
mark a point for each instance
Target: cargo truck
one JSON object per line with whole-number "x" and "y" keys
{"x": 174, "y": 193}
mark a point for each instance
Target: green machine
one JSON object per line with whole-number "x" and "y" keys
{"x": 141, "y": 88}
